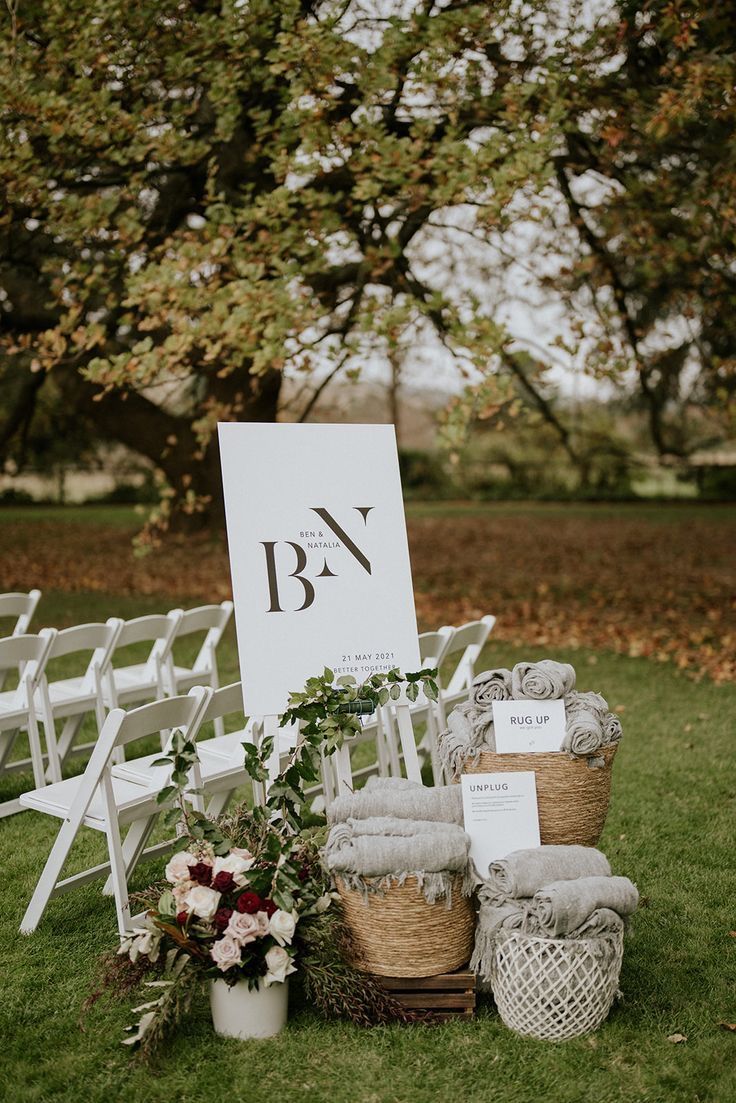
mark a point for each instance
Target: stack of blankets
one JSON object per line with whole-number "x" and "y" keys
{"x": 551, "y": 892}
{"x": 393, "y": 829}
{"x": 591, "y": 725}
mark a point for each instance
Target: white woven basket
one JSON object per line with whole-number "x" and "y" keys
{"x": 555, "y": 989}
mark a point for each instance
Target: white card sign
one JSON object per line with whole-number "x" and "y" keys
{"x": 522, "y": 726}
{"x": 318, "y": 555}
{"x": 500, "y": 814}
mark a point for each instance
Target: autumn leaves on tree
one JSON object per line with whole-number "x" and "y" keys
{"x": 199, "y": 198}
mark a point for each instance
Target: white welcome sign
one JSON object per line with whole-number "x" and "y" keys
{"x": 318, "y": 555}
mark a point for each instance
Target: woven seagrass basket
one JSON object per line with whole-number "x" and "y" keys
{"x": 396, "y": 933}
{"x": 572, "y": 797}
{"x": 555, "y": 989}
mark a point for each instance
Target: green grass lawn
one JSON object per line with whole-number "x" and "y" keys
{"x": 670, "y": 828}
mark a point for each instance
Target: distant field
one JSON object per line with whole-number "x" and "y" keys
{"x": 638, "y": 579}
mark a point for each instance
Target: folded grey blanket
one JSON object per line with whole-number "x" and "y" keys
{"x": 491, "y": 919}
{"x": 590, "y": 701}
{"x": 490, "y": 686}
{"x": 540, "y": 681}
{"x": 469, "y": 732}
{"x": 603, "y": 921}
{"x": 524, "y": 872}
{"x": 385, "y": 845}
{"x": 584, "y": 733}
{"x": 611, "y": 729}
{"x": 408, "y": 800}
{"x": 564, "y": 906}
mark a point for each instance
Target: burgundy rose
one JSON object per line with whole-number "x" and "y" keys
{"x": 249, "y": 902}
{"x": 201, "y": 873}
{"x": 269, "y": 907}
{"x": 223, "y": 881}
{"x": 182, "y": 917}
{"x": 222, "y": 918}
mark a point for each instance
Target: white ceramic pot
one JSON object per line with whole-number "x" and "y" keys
{"x": 243, "y": 1012}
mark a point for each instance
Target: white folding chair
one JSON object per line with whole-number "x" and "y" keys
{"x": 433, "y": 649}
{"x": 143, "y": 681}
{"x": 338, "y": 775}
{"x": 219, "y": 771}
{"x": 100, "y": 801}
{"x": 382, "y": 729}
{"x": 73, "y": 698}
{"x": 211, "y": 620}
{"x": 467, "y": 643}
{"x": 27, "y": 654}
{"x": 17, "y": 609}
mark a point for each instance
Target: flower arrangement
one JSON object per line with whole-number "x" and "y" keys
{"x": 215, "y": 913}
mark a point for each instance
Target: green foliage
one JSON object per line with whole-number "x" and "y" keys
{"x": 201, "y": 196}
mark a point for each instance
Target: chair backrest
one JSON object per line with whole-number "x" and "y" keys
{"x": 434, "y": 646}
{"x": 211, "y": 619}
{"x": 21, "y": 607}
{"x": 28, "y": 654}
{"x": 158, "y": 629}
{"x": 224, "y": 702}
{"x": 467, "y": 642}
{"x": 100, "y": 639}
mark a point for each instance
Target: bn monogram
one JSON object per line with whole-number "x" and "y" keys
{"x": 300, "y": 553}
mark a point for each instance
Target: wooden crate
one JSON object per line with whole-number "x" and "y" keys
{"x": 447, "y": 996}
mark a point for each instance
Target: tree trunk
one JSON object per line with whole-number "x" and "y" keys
{"x": 169, "y": 441}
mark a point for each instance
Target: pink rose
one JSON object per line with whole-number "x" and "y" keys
{"x": 225, "y": 953}
{"x": 178, "y": 868}
{"x": 246, "y": 927}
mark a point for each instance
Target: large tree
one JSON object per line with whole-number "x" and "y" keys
{"x": 199, "y": 195}
{"x": 199, "y": 198}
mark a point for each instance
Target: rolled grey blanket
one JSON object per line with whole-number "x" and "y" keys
{"x": 541, "y": 681}
{"x": 469, "y": 732}
{"x": 407, "y": 800}
{"x": 564, "y": 906}
{"x": 593, "y": 702}
{"x": 479, "y": 721}
{"x": 490, "y": 686}
{"x": 524, "y": 872}
{"x": 603, "y": 921}
{"x": 583, "y": 731}
{"x": 611, "y": 729}
{"x": 381, "y": 846}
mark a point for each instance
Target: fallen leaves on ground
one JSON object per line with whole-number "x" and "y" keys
{"x": 676, "y": 1039}
{"x": 663, "y": 590}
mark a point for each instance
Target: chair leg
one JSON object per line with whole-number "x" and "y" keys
{"x": 133, "y": 847}
{"x": 68, "y": 735}
{"x": 117, "y": 874}
{"x": 218, "y": 803}
{"x": 47, "y": 881}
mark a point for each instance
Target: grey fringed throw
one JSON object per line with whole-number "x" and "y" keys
{"x": 603, "y": 921}
{"x": 611, "y": 729}
{"x": 563, "y": 906}
{"x": 469, "y": 732}
{"x": 490, "y": 686}
{"x": 589, "y": 724}
{"x": 545, "y": 680}
{"x": 407, "y": 800}
{"x": 524, "y": 872}
{"x": 491, "y": 919}
{"x": 583, "y": 732}
{"x": 365, "y": 853}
